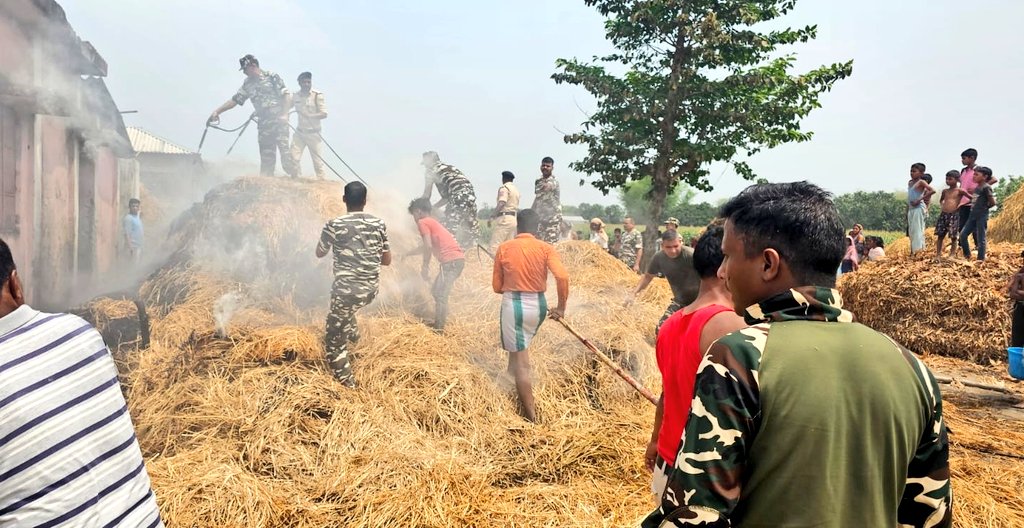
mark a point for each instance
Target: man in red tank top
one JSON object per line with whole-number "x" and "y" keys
{"x": 682, "y": 341}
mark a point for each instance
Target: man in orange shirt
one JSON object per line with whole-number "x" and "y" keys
{"x": 521, "y": 275}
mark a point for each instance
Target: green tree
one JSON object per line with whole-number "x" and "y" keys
{"x": 700, "y": 85}
{"x": 613, "y": 214}
{"x": 633, "y": 196}
{"x": 589, "y": 210}
{"x": 880, "y": 210}
{"x": 1005, "y": 189}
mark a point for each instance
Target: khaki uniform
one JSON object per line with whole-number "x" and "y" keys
{"x": 505, "y": 224}
{"x": 307, "y": 134}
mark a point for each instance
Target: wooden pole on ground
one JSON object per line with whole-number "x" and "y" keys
{"x": 609, "y": 363}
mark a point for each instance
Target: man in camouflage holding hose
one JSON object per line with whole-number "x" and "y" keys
{"x": 359, "y": 242}
{"x": 272, "y": 102}
{"x": 457, "y": 197}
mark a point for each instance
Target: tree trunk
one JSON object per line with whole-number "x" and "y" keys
{"x": 661, "y": 179}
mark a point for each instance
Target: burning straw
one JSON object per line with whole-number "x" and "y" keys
{"x": 250, "y": 429}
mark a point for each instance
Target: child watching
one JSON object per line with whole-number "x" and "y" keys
{"x": 1016, "y": 293}
{"x": 949, "y": 218}
{"x": 851, "y": 261}
{"x": 977, "y": 222}
{"x": 876, "y": 248}
{"x": 917, "y": 192}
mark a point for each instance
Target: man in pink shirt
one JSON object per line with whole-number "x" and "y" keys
{"x": 441, "y": 244}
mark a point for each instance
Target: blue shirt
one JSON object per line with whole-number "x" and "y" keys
{"x": 913, "y": 194}
{"x": 132, "y": 226}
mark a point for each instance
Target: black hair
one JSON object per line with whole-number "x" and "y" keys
{"x": 927, "y": 178}
{"x": 969, "y": 153}
{"x": 134, "y": 201}
{"x": 953, "y": 174}
{"x": 6, "y": 262}
{"x": 305, "y": 75}
{"x": 919, "y": 166}
{"x": 507, "y": 176}
{"x": 355, "y": 194}
{"x": 799, "y": 220}
{"x": 420, "y": 204}
{"x": 527, "y": 221}
{"x": 878, "y": 241}
{"x": 670, "y": 235}
{"x": 707, "y": 255}
{"x": 984, "y": 170}
{"x": 548, "y": 159}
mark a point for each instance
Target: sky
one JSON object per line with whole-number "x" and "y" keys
{"x": 471, "y": 80}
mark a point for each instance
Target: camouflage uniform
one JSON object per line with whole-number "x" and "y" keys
{"x": 631, "y": 243}
{"x": 267, "y": 93}
{"x": 460, "y": 212}
{"x": 357, "y": 240}
{"x": 827, "y": 428}
{"x": 547, "y": 203}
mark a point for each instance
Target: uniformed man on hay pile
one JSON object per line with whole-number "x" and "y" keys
{"x": 272, "y": 102}
{"x": 547, "y": 202}
{"x": 457, "y": 197}
{"x": 359, "y": 242}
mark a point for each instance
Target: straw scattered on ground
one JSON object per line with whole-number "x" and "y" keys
{"x": 246, "y": 427}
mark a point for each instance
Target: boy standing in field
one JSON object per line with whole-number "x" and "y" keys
{"x": 977, "y": 222}
{"x": 917, "y": 192}
{"x": 949, "y": 218}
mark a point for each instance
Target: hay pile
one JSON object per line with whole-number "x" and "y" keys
{"x": 1009, "y": 225}
{"x": 249, "y": 429}
{"x": 951, "y": 307}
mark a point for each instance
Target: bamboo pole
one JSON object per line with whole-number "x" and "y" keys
{"x": 609, "y": 363}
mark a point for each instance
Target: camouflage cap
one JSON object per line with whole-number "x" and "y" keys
{"x": 247, "y": 60}
{"x": 672, "y": 220}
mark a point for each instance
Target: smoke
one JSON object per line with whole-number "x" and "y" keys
{"x": 224, "y": 308}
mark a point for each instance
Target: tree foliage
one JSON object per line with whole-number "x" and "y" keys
{"x": 880, "y": 210}
{"x": 700, "y": 85}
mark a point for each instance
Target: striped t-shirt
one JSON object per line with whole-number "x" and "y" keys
{"x": 68, "y": 453}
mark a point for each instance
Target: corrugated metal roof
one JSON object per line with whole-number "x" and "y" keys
{"x": 144, "y": 142}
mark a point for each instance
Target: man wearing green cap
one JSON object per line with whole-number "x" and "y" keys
{"x": 272, "y": 102}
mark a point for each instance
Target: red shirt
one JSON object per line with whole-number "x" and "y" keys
{"x": 679, "y": 354}
{"x": 442, "y": 243}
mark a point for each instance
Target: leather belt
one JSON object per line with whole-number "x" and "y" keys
{"x": 507, "y": 213}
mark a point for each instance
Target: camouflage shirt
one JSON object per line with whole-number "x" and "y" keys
{"x": 547, "y": 201}
{"x": 357, "y": 240}
{"x": 809, "y": 419}
{"x": 451, "y": 184}
{"x": 631, "y": 243}
{"x": 266, "y": 91}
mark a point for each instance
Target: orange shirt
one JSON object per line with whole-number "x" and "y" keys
{"x": 522, "y": 264}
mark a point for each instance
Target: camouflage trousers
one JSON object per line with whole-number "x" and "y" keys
{"x": 342, "y": 330}
{"x": 460, "y": 219}
{"x": 273, "y": 139}
{"x": 673, "y": 307}
{"x": 551, "y": 229}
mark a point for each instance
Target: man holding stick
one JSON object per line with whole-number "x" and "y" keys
{"x": 520, "y": 275}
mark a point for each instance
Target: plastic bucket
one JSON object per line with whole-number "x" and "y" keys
{"x": 1016, "y": 363}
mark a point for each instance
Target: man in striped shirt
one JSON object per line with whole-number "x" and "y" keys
{"x": 521, "y": 268}
{"x": 68, "y": 452}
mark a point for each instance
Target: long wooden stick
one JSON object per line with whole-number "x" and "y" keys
{"x": 975, "y": 384}
{"x": 609, "y": 363}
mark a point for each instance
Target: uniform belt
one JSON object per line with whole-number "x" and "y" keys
{"x": 507, "y": 213}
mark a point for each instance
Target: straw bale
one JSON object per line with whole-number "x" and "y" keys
{"x": 901, "y": 246}
{"x": 1009, "y": 225}
{"x": 951, "y": 307}
{"x": 250, "y": 429}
